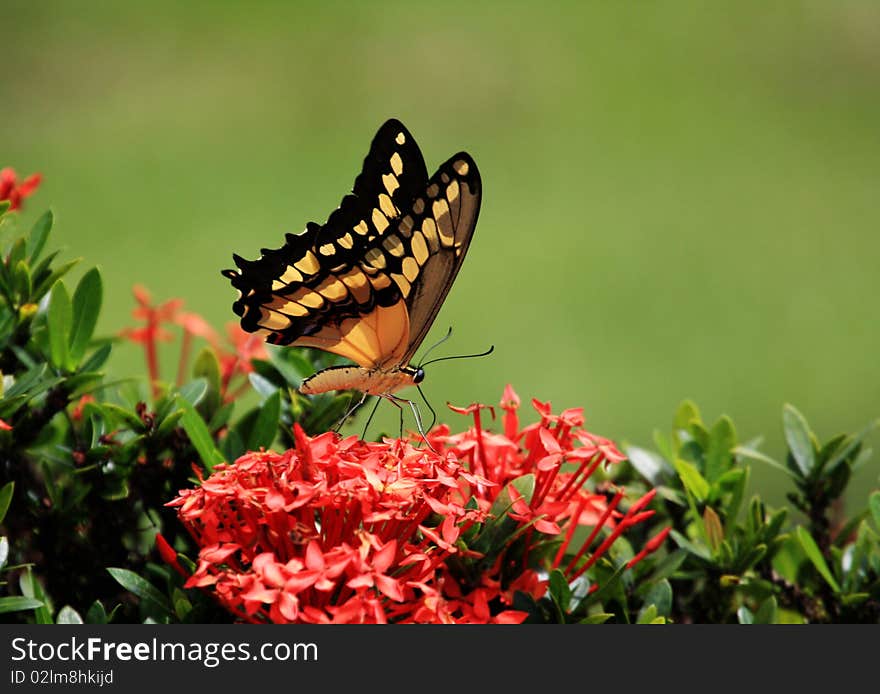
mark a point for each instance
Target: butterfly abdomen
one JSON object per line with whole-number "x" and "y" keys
{"x": 369, "y": 381}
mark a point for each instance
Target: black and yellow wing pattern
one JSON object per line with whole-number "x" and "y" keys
{"x": 369, "y": 282}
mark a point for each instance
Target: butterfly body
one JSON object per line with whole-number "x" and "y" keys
{"x": 369, "y": 282}
{"x": 374, "y": 381}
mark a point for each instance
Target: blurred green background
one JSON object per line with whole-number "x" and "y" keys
{"x": 681, "y": 199}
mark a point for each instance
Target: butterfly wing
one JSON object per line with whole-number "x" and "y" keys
{"x": 443, "y": 221}
{"x": 312, "y": 290}
{"x": 369, "y": 282}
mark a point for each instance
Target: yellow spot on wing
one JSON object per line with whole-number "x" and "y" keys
{"x": 401, "y": 282}
{"x": 419, "y": 248}
{"x": 396, "y": 164}
{"x": 410, "y": 269}
{"x": 273, "y": 320}
{"x": 380, "y": 281}
{"x": 393, "y": 245}
{"x": 400, "y": 139}
{"x": 379, "y": 220}
{"x": 362, "y": 228}
{"x": 390, "y": 182}
{"x": 332, "y": 289}
{"x": 357, "y": 283}
{"x": 429, "y": 229}
{"x": 387, "y": 206}
{"x": 461, "y": 167}
{"x": 308, "y": 263}
{"x": 346, "y": 241}
{"x": 375, "y": 257}
{"x": 327, "y": 249}
{"x": 444, "y": 222}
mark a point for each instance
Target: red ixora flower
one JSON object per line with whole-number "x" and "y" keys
{"x": 339, "y": 530}
{"x": 15, "y": 192}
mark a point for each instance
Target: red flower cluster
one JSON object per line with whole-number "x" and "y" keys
{"x": 15, "y": 192}
{"x": 234, "y": 355}
{"x": 344, "y": 531}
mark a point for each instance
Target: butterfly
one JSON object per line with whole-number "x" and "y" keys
{"x": 368, "y": 283}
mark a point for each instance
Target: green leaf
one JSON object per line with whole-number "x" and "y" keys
{"x": 18, "y": 603}
{"x": 693, "y": 481}
{"x": 199, "y": 435}
{"x": 265, "y": 427}
{"x": 36, "y": 240}
{"x": 660, "y": 595}
{"x": 98, "y": 358}
{"x": 50, "y": 280}
{"x": 722, "y": 439}
{"x": 123, "y": 415}
{"x": 686, "y": 413}
{"x": 96, "y": 613}
{"x": 766, "y": 613}
{"x": 754, "y": 454}
{"x": 799, "y": 439}
{"x": 22, "y": 278}
{"x": 194, "y": 391}
{"x": 168, "y": 424}
{"x": 560, "y": 592}
{"x": 873, "y": 504}
{"x": 6, "y": 498}
{"x": 648, "y": 464}
{"x": 140, "y": 587}
{"x": 59, "y": 321}
{"x": 744, "y": 615}
{"x": 714, "y": 531}
{"x": 647, "y": 615}
{"x": 68, "y": 615}
{"x": 86, "y": 306}
{"x": 597, "y": 618}
{"x": 814, "y": 554}
{"x": 4, "y": 551}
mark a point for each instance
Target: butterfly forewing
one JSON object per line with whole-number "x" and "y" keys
{"x": 369, "y": 282}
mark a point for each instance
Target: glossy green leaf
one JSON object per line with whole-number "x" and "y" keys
{"x": 874, "y": 506}
{"x": 42, "y": 286}
{"x": 4, "y": 551}
{"x": 597, "y": 618}
{"x": 98, "y": 358}
{"x": 87, "y": 299}
{"x": 6, "y": 498}
{"x": 751, "y": 453}
{"x": 199, "y": 435}
{"x": 18, "y": 603}
{"x": 140, "y": 587}
{"x": 68, "y": 615}
{"x": 814, "y": 554}
{"x": 265, "y": 427}
{"x": 59, "y": 321}
{"x": 96, "y": 613}
{"x": 797, "y": 435}
{"x": 36, "y": 240}
{"x": 194, "y": 391}
{"x": 766, "y": 613}
{"x": 686, "y": 413}
{"x": 722, "y": 440}
{"x": 692, "y": 480}
{"x": 648, "y": 464}
{"x": 744, "y": 615}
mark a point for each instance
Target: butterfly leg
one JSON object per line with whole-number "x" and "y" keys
{"x": 370, "y": 419}
{"x": 416, "y": 415}
{"x": 350, "y": 412}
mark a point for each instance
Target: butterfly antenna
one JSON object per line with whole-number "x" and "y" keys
{"x": 436, "y": 344}
{"x": 370, "y": 419}
{"x": 461, "y": 356}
